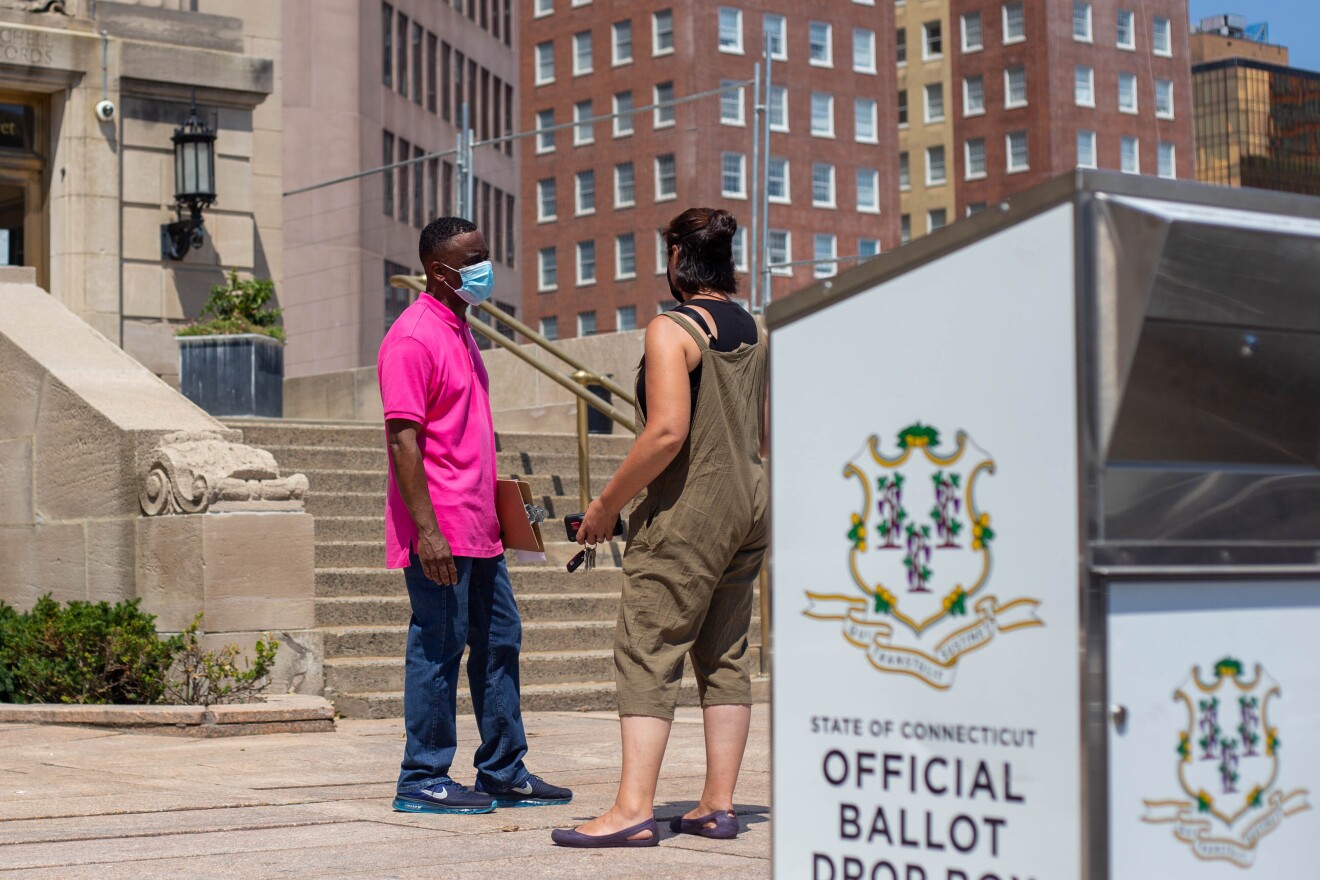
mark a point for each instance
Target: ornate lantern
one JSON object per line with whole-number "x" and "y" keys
{"x": 194, "y": 185}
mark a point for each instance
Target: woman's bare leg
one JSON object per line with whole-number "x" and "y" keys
{"x": 726, "y": 740}
{"x": 644, "y": 741}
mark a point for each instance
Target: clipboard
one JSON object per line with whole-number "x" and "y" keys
{"x": 517, "y": 532}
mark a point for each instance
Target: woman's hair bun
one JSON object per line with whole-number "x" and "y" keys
{"x": 721, "y": 224}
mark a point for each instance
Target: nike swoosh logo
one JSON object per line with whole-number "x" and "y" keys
{"x": 439, "y": 793}
{"x": 525, "y": 788}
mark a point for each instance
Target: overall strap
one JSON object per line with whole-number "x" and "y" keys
{"x": 702, "y": 342}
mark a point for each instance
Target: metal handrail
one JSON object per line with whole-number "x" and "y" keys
{"x": 575, "y": 384}
{"x": 418, "y": 283}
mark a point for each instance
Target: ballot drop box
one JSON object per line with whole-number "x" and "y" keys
{"x": 1045, "y": 564}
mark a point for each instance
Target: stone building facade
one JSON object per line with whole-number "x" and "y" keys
{"x": 372, "y": 84}
{"x": 927, "y": 106}
{"x": 83, "y": 198}
{"x": 595, "y": 195}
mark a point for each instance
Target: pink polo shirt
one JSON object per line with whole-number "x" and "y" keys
{"x": 430, "y": 372}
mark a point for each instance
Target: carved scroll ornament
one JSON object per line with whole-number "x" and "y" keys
{"x": 203, "y": 472}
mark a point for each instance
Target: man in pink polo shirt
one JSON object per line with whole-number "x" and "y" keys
{"x": 442, "y": 530}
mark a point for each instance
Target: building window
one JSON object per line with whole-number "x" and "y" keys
{"x": 932, "y": 40}
{"x": 446, "y": 80}
{"x": 662, "y": 32}
{"x": 664, "y": 101}
{"x": 740, "y": 249}
{"x": 1168, "y": 167}
{"x": 419, "y": 187}
{"x": 863, "y": 50}
{"x": 1086, "y": 149}
{"x": 935, "y": 170}
{"x": 974, "y": 153}
{"x": 868, "y": 247}
{"x": 1082, "y": 21}
{"x": 936, "y": 218}
{"x": 586, "y": 322}
{"x": 904, "y": 172}
{"x": 544, "y": 7}
{"x": 387, "y": 44}
{"x": 1127, "y": 92}
{"x": 625, "y": 318}
{"x": 900, "y": 46}
{"x": 820, "y": 44}
{"x": 731, "y": 36}
{"x": 623, "y": 117}
{"x": 1130, "y": 156}
{"x": 584, "y": 131}
{"x": 973, "y": 96}
{"x": 779, "y": 244}
{"x": 902, "y": 107}
{"x": 545, "y": 200}
{"x": 733, "y": 175}
{"x": 934, "y": 95}
{"x": 973, "y": 40}
{"x": 621, "y": 42}
{"x": 661, "y": 255}
{"x": 405, "y": 153}
{"x": 586, "y": 262}
{"x": 731, "y": 103}
{"x": 822, "y": 114}
{"x": 433, "y": 188}
{"x": 582, "y": 53}
{"x": 974, "y": 208}
{"x": 417, "y": 63}
{"x": 1084, "y": 86}
{"x": 826, "y": 252}
{"x": 1015, "y": 23}
{"x": 545, "y": 63}
{"x": 778, "y": 108}
{"x": 545, "y": 136}
{"x": 868, "y": 190}
{"x": 776, "y": 31}
{"x": 401, "y": 51}
{"x": 1018, "y": 156}
{"x": 666, "y": 177}
{"x": 905, "y": 228}
{"x": 625, "y": 257}
{"x": 822, "y": 185}
{"x": 387, "y": 152}
{"x": 624, "y": 185}
{"x": 866, "y": 120}
{"x": 1127, "y": 31}
{"x": 397, "y": 299}
{"x": 432, "y": 45}
{"x": 1164, "y": 98}
{"x": 547, "y": 269}
{"x": 776, "y": 183}
{"x": 585, "y": 192}
{"x": 1161, "y": 36}
{"x": 550, "y": 327}
{"x": 1015, "y": 87}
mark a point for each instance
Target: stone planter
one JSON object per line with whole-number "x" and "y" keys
{"x": 239, "y": 375}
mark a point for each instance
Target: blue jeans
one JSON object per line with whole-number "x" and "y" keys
{"x": 479, "y": 612}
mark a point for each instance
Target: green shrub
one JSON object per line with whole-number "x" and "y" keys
{"x": 238, "y": 307}
{"x": 102, "y": 653}
{"x": 84, "y": 653}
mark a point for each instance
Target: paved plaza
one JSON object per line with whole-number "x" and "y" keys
{"x": 82, "y": 802}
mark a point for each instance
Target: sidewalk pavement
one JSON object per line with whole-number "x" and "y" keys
{"x": 83, "y": 802}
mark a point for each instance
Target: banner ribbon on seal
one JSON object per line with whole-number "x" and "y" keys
{"x": 938, "y": 667}
{"x": 1194, "y": 830}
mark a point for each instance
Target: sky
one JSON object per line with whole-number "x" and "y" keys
{"x": 1293, "y": 23}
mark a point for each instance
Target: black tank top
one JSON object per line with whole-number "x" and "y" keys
{"x": 736, "y": 327}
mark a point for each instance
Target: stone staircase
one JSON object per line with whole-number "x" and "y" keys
{"x": 362, "y": 608}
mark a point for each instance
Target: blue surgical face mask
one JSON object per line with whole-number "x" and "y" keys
{"x": 478, "y": 282}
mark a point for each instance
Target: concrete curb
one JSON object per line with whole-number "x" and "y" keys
{"x": 280, "y": 713}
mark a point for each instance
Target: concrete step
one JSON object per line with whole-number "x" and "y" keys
{"x": 386, "y": 610}
{"x": 266, "y": 433}
{"x": 351, "y": 528}
{"x": 563, "y": 465}
{"x": 330, "y": 481}
{"x": 349, "y": 554}
{"x": 302, "y": 458}
{"x": 349, "y": 675}
{"x": 579, "y": 697}
{"x": 527, "y": 580}
{"x": 558, "y": 553}
{"x": 346, "y": 503}
{"x": 616, "y": 444}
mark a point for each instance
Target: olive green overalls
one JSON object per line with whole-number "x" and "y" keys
{"x": 695, "y": 546}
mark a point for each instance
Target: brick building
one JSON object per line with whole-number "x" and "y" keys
{"x": 370, "y": 84}
{"x": 1045, "y": 87}
{"x": 594, "y": 196}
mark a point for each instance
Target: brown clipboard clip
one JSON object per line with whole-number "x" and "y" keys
{"x": 519, "y": 518}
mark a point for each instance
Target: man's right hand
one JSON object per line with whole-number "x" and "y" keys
{"x": 437, "y": 559}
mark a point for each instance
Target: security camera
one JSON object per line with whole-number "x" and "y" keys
{"x": 105, "y": 111}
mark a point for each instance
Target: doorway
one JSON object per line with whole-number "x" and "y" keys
{"x": 23, "y": 183}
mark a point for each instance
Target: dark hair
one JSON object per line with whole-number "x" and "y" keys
{"x": 438, "y": 232}
{"x": 704, "y": 237}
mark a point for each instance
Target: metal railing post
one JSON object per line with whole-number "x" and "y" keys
{"x": 583, "y": 378}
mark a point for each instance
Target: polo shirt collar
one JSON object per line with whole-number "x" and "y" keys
{"x": 444, "y": 312}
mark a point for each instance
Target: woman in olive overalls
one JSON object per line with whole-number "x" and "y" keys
{"x": 695, "y": 542}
